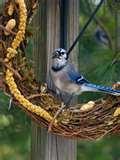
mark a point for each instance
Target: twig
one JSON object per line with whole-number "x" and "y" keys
{"x": 56, "y": 115}
{"x": 3, "y": 43}
{"x": 10, "y": 103}
{"x": 33, "y": 96}
{"x": 13, "y": 70}
{"x": 3, "y": 28}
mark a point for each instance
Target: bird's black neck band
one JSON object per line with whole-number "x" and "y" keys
{"x": 56, "y": 69}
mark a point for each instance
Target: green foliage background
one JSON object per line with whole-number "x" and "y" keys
{"x": 95, "y": 62}
{"x": 14, "y": 132}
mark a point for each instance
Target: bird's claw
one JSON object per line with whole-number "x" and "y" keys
{"x": 56, "y": 115}
{"x": 62, "y": 105}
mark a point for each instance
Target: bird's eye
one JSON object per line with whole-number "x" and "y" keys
{"x": 62, "y": 53}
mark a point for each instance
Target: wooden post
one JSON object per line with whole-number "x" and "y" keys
{"x": 46, "y": 146}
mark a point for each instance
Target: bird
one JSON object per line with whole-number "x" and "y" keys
{"x": 67, "y": 79}
{"x": 101, "y": 37}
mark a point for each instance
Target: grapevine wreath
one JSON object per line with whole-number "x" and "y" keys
{"x": 90, "y": 121}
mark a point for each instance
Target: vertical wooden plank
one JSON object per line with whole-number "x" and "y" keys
{"x": 53, "y": 29}
{"x": 38, "y": 138}
{"x": 39, "y": 49}
{"x": 72, "y": 32}
{"x": 73, "y": 27}
{"x": 46, "y": 146}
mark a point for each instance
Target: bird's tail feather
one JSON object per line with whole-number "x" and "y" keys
{"x": 104, "y": 89}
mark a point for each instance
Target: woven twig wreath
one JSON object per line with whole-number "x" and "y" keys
{"x": 87, "y": 121}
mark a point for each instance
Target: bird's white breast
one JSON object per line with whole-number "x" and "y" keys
{"x": 64, "y": 84}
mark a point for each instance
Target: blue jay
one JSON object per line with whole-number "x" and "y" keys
{"x": 67, "y": 80}
{"x": 101, "y": 37}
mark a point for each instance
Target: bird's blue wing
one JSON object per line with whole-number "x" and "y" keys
{"x": 75, "y": 76}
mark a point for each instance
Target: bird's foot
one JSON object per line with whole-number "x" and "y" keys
{"x": 56, "y": 115}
